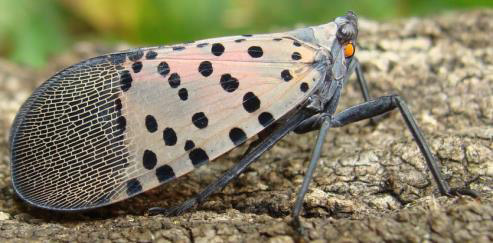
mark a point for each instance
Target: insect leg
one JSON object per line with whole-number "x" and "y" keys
{"x": 310, "y": 124}
{"x": 309, "y": 172}
{"x": 238, "y": 168}
{"x": 387, "y": 103}
{"x": 356, "y": 67}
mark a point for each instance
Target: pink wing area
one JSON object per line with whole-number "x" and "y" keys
{"x": 160, "y": 113}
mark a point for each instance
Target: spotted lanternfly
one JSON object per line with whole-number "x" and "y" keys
{"x": 114, "y": 126}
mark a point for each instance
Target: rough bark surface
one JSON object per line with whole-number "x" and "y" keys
{"x": 372, "y": 184}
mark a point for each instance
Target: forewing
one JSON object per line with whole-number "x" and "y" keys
{"x": 110, "y": 128}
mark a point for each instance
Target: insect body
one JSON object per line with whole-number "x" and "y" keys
{"x": 116, "y": 125}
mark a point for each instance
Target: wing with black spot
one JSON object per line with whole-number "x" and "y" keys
{"x": 114, "y": 126}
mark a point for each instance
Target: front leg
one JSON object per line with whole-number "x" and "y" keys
{"x": 355, "y": 66}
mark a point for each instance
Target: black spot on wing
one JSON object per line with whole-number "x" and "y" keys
{"x": 151, "y": 123}
{"x": 217, "y": 49}
{"x": 118, "y": 104}
{"x": 125, "y": 80}
{"x": 251, "y": 102}
{"x": 200, "y": 120}
{"x": 255, "y": 51}
{"x": 164, "y": 173}
{"x": 286, "y": 75}
{"x": 265, "y": 119}
{"x": 237, "y": 136}
{"x": 149, "y": 159}
{"x": 198, "y": 156}
{"x": 183, "y": 94}
{"x": 239, "y": 40}
{"x": 229, "y": 83}
{"x": 133, "y": 187}
{"x": 202, "y": 45}
{"x": 304, "y": 87}
{"x": 178, "y": 48}
{"x": 296, "y": 43}
{"x": 136, "y": 67}
{"x": 169, "y": 136}
{"x": 296, "y": 56}
{"x": 205, "y": 68}
{"x": 189, "y": 144}
{"x": 135, "y": 55}
{"x": 151, "y": 55}
{"x": 174, "y": 80}
{"x": 121, "y": 124}
{"x": 163, "y": 69}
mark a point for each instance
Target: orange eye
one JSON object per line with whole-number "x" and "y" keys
{"x": 349, "y": 50}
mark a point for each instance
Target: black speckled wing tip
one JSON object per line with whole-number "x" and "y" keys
{"x": 57, "y": 132}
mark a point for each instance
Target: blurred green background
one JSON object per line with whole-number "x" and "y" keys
{"x": 33, "y": 30}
